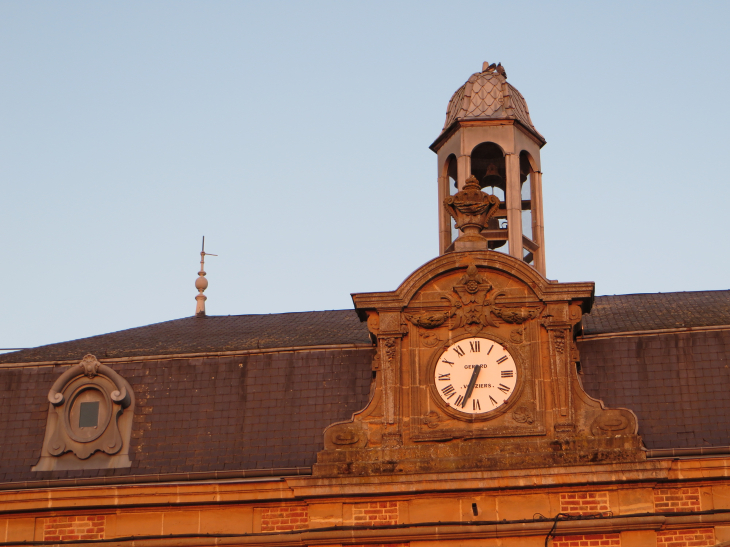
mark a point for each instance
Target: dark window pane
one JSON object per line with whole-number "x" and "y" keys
{"x": 89, "y": 414}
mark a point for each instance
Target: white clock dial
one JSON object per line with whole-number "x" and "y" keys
{"x": 475, "y": 375}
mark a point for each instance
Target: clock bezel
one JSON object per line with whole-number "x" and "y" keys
{"x": 489, "y": 414}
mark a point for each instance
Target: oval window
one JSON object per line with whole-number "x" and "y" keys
{"x": 88, "y": 413}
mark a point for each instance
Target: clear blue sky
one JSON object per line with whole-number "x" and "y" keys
{"x": 294, "y": 136}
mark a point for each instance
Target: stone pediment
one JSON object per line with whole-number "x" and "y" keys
{"x": 476, "y": 369}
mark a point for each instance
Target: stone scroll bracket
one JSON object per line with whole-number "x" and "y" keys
{"x": 89, "y": 423}
{"x": 380, "y": 422}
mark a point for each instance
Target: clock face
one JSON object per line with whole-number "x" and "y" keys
{"x": 475, "y": 375}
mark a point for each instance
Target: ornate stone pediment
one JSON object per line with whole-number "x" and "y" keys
{"x": 89, "y": 419}
{"x": 480, "y": 301}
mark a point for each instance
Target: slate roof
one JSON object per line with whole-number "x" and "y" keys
{"x": 209, "y": 334}
{"x": 610, "y": 314}
{"x": 197, "y": 415}
{"x": 676, "y": 384}
{"x": 268, "y": 410}
{"x": 657, "y": 311}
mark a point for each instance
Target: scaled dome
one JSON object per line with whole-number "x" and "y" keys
{"x": 487, "y": 95}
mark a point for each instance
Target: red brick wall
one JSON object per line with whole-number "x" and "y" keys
{"x": 73, "y": 528}
{"x": 588, "y": 540}
{"x": 375, "y": 513}
{"x": 698, "y": 537}
{"x": 675, "y": 500}
{"x": 582, "y": 503}
{"x": 285, "y": 518}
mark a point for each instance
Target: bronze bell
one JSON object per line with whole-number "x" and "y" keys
{"x": 492, "y": 176}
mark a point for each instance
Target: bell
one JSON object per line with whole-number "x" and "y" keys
{"x": 492, "y": 177}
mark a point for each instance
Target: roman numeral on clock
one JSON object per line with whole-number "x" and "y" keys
{"x": 475, "y": 404}
{"x": 502, "y": 359}
{"x": 449, "y": 391}
{"x": 459, "y": 351}
{"x": 474, "y": 346}
{"x": 503, "y": 388}
{"x": 494, "y": 403}
{"x": 445, "y": 377}
{"x": 459, "y": 401}
{"x": 508, "y": 374}
{"x": 447, "y": 362}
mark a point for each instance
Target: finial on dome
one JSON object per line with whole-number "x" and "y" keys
{"x": 201, "y": 284}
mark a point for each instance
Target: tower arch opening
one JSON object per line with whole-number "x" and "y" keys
{"x": 489, "y": 167}
{"x": 529, "y": 194}
{"x": 451, "y": 171}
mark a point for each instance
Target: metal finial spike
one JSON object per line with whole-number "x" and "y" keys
{"x": 201, "y": 283}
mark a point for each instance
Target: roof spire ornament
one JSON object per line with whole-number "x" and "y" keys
{"x": 201, "y": 284}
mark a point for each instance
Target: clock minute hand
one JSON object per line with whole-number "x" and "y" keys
{"x": 472, "y": 383}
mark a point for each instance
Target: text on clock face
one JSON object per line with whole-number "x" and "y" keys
{"x": 475, "y": 375}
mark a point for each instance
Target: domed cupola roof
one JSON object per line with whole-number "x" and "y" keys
{"x": 487, "y": 95}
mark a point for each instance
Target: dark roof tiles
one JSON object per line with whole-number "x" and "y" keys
{"x": 210, "y": 334}
{"x": 213, "y": 334}
{"x": 257, "y": 411}
{"x": 641, "y": 312}
{"x": 674, "y": 382}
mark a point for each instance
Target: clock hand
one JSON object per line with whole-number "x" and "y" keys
{"x": 472, "y": 383}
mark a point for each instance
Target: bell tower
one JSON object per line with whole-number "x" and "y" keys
{"x": 476, "y": 360}
{"x": 489, "y": 143}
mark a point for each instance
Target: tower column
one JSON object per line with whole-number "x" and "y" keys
{"x": 463, "y": 164}
{"x": 444, "y": 218}
{"x": 514, "y": 205}
{"x": 538, "y": 231}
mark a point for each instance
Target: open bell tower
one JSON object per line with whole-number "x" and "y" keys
{"x": 489, "y": 147}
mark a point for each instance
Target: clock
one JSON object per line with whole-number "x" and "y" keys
{"x": 475, "y": 376}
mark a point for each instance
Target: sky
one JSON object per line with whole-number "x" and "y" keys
{"x": 294, "y": 136}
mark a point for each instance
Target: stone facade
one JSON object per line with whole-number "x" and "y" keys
{"x": 548, "y": 418}
{"x": 460, "y": 413}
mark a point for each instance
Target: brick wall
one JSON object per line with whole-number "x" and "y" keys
{"x": 582, "y": 503}
{"x": 74, "y": 528}
{"x": 698, "y": 537}
{"x": 675, "y": 500}
{"x": 285, "y": 518}
{"x": 588, "y": 540}
{"x": 375, "y": 513}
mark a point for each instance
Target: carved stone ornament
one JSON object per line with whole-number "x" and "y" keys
{"x": 471, "y": 209}
{"x": 430, "y": 340}
{"x": 613, "y": 422}
{"x": 345, "y": 435}
{"x": 523, "y": 414}
{"x": 515, "y": 315}
{"x": 432, "y": 419}
{"x": 428, "y": 320}
{"x": 468, "y": 309}
{"x": 89, "y": 419}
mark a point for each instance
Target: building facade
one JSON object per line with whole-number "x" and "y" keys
{"x": 477, "y": 404}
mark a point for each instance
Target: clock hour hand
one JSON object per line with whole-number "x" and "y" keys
{"x": 472, "y": 383}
